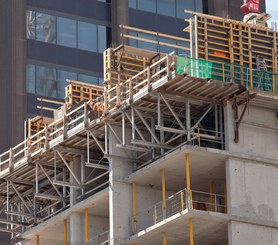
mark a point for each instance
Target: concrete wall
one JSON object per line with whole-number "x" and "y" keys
{"x": 246, "y": 234}
{"x": 252, "y": 189}
{"x": 256, "y": 136}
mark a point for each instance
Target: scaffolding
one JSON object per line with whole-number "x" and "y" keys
{"x": 151, "y": 102}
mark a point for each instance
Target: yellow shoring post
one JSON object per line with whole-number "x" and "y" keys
{"x": 191, "y": 235}
{"x": 134, "y": 207}
{"x": 65, "y": 232}
{"x": 164, "y": 238}
{"x": 188, "y": 184}
{"x": 225, "y": 196}
{"x": 86, "y": 226}
{"x": 38, "y": 239}
{"x": 163, "y": 188}
{"x": 211, "y": 190}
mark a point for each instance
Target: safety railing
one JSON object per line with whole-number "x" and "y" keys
{"x": 120, "y": 93}
{"x": 42, "y": 139}
{"x": 100, "y": 239}
{"x": 174, "y": 205}
{"x": 229, "y": 72}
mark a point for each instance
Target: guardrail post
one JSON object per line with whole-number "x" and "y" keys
{"x": 168, "y": 66}
{"x": 11, "y": 160}
{"x": 46, "y": 137}
{"x": 118, "y": 93}
{"x": 85, "y": 115}
{"x": 65, "y": 127}
{"x": 105, "y": 98}
{"x": 149, "y": 78}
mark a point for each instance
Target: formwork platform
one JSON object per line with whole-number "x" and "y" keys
{"x": 150, "y": 103}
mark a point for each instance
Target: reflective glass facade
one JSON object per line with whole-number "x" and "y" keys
{"x": 172, "y": 8}
{"x": 66, "y": 32}
{"x": 50, "y": 82}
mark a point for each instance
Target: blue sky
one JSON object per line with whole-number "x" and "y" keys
{"x": 272, "y": 8}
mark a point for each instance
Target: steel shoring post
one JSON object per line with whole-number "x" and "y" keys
{"x": 86, "y": 226}
{"x": 174, "y": 114}
{"x": 133, "y": 126}
{"x": 37, "y": 178}
{"x": 152, "y": 140}
{"x": 216, "y": 120}
{"x": 88, "y": 147}
{"x": 188, "y": 183}
{"x": 134, "y": 208}
{"x": 55, "y": 165}
{"x": 191, "y": 235}
{"x": 21, "y": 198}
{"x": 221, "y": 127}
{"x": 8, "y": 202}
{"x": 211, "y": 190}
{"x": 163, "y": 182}
{"x": 225, "y": 196}
{"x": 97, "y": 141}
{"x": 64, "y": 187}
{"x": 82, "y": 170}
{"x": 160, "y": 121}
{"x": 49, "y": 179}
{"x": 106, "y": 138}
{"x": 147, "y": 126}
{"x": 188, "y": 123}
{"x": 67, "y": 165}
{"x": 202, "y": 117}
{"x": 123, "y": 128}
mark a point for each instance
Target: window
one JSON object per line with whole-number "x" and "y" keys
{"x": 87, "y": 34}
{"x": 51, "y": 82}
{"x": 174, "y": 8}
{"x": 166, "y": 7}
{"x": 147, "y": 45}
{"x": 147, "y": 5}
{"x": 132, "y": 4}
{"x": 46, "y": 81}
{"x": 30, "y": 24}
{"x": 87, "y": 79}
{"x": 102, "y": 38}
{"x": 62, "y": 81}
{"x": 31, "y": 79}
{"x": 45, "y": 28}
{"x": 66, "y": 32}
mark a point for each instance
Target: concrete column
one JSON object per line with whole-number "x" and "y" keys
{"x": 75, "y": 166}
{"x": 120, "y": 193}
{"x": 76, "y": 226}
{"x": 76, "y": 233}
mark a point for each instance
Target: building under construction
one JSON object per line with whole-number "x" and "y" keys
{"x": 173, "y": 149}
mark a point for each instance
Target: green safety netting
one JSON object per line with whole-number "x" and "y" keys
{"x": 228, "y": 72}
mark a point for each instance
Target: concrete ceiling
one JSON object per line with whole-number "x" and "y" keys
{"x": 207, "y": 227}
{"x": 204, "y": 165}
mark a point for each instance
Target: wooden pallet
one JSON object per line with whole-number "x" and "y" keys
{"x": 78, "y": 91}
